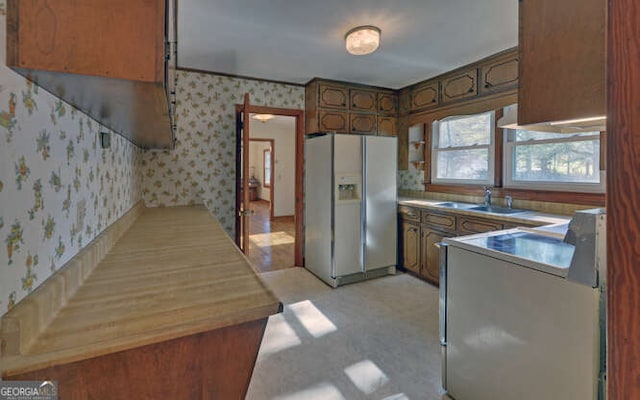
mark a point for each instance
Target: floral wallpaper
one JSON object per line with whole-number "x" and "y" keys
{"x": 201, "y": 168}
{"x": 58, "y": 188}
{"x": 411, "y": 180}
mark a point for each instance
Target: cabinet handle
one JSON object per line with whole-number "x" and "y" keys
{"x": 343, "y": 104}
{"x": 433, "y": 100}
{"x": 470, "y": 90}
{"x": 354, "y": 105}
{"x": 487, "y": 85}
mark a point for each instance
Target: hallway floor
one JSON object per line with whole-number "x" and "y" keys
{"x": 271, "y": 242}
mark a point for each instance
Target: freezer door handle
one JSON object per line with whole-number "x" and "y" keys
{"x": 443, "y": 293}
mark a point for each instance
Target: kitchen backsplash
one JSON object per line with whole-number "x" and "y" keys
{"x": 411, "y": 180}
{"x": 201, "y": 168}
{"x": 58, "y": 188}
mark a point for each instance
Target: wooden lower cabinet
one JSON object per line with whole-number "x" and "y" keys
{"x": 430, "y": 253}
{"x": 410, "y": 245}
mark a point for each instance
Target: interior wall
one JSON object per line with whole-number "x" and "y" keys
{"x": 256, "y": 154}
{"x": 283, "y": 131}
{"x": 201, "y": 167}
{"x": 58, "y": 188}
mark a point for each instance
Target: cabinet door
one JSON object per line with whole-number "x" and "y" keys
{"x": 387, "y": 126}
{"x": 333, "y": 121}
{"x": 410, "y": 243}
{"x": 430, "y": 254}
{"x": 387, "y": 103}
{"x": 444, "y": 222}
{"x": 332, "y": 96}
{"x": 472, "y": 225}
{"x": 424, "y": 96}
{"x": 363, "y": 123}
{"x": 500, "y": 74}
{"x": 562, "y": 60}
{"x": 404, "y": 101}
{"x": 363, "y": 100}
{"x": 460, "y": 86}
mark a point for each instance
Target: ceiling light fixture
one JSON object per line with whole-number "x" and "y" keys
{"x": 362, "y": 40}
{"x": 263, "y": 117}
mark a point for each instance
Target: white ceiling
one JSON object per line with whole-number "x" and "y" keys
{"x": 297, "y": 40}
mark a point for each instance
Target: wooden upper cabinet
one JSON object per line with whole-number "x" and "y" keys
{"x": 460, "y": 85}
{"x": 387, "y": 126}
{"x": 79, "y": 37}
{"x": 387, "y": 103}
{"x": 74, "y": 50}
{"x": 363, "y": 123}
{"x": 562, "y": 60}
{"x": 332, "y": 96}
{"x": 363, "y": 100}
{"x": 404, "y": 101}
{"x": 333, "y": 121}
{"x": 425, "y": 96}
{"x": 500, "y": 74}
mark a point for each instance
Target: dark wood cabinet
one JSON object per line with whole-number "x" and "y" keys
{"x": 363, "y": 100}
{"x": 363, "y": 123}
{"x": 333, "y": 121}
{"x": 499, "y": 74}
{"x": 410, "y": 245}
{"x": 430, "y": 253}
{"x": 387, "y": 103}
{"x": 425, "y": 96}
{"x": 459, "y": 86}
{"x": 468, "y": 226}
{"x": 349, "y": 108}
{"x": 388, "y": 126}
{"x": 330, "y": 96}
{"x": 431, "y": 226}
{"x": 562, "y": 60}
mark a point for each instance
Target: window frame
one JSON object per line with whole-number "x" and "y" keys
{"x": 266, "y": 183}
{"x": 491, "y": 147}
{"x": 558, "y": 186}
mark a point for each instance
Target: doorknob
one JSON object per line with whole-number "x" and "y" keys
{"x": 247, "y": 213}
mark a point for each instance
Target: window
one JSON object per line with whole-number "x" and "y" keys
{"x": 463, "y": 149}
{"x": 553, "y": 161}
{"x": 266, "y": 165}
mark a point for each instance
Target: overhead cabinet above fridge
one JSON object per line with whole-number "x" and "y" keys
{"x": 113, "y": 60}
{"x": 350, "y": 207}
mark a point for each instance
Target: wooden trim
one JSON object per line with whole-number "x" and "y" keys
{"x": 427, "y": 153}
{"x": 593, "y": 199}
{"x": 623, "y": 197}
{"x": 250, "y": 78}
{"x": 498, "y": 161}
{"x": 271, "y": 187}
{"x": 299, "y": 206}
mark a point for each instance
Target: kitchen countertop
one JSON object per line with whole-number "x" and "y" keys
{"x": 527, "y": 217}
{"x": 174, "y": 273}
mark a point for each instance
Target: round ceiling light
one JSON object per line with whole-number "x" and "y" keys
{"x": 362, "y": 40}
{"x": 262, "y": 117}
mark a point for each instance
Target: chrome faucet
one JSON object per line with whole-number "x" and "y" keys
{"x": 509, "y": 201}
{"x": 487, "y": 196}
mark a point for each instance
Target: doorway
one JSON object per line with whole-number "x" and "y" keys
{"x": 275, "y": 188}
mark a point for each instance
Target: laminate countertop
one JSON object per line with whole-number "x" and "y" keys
{"x": 174, "y": 273}
{"x": 528, "y": 217}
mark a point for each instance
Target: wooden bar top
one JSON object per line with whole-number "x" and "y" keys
{"x": 174, "y": 273}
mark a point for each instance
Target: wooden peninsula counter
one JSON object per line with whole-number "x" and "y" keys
{"x": 166, "y": 309}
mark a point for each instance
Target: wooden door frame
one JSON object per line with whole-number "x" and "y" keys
{"x": 299, "y": 165}
{"x": 272, "y": 190}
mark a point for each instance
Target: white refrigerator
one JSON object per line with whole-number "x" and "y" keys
{"x": 350, "y": 207}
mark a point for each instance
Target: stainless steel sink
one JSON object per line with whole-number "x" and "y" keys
{"x": 453, "y": 204}
{"x": 496, "y": 210}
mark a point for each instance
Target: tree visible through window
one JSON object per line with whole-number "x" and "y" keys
{"x": 552, "y": 159}
{"x": 463, "y": 149}
{"x": 266, "y": 163}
